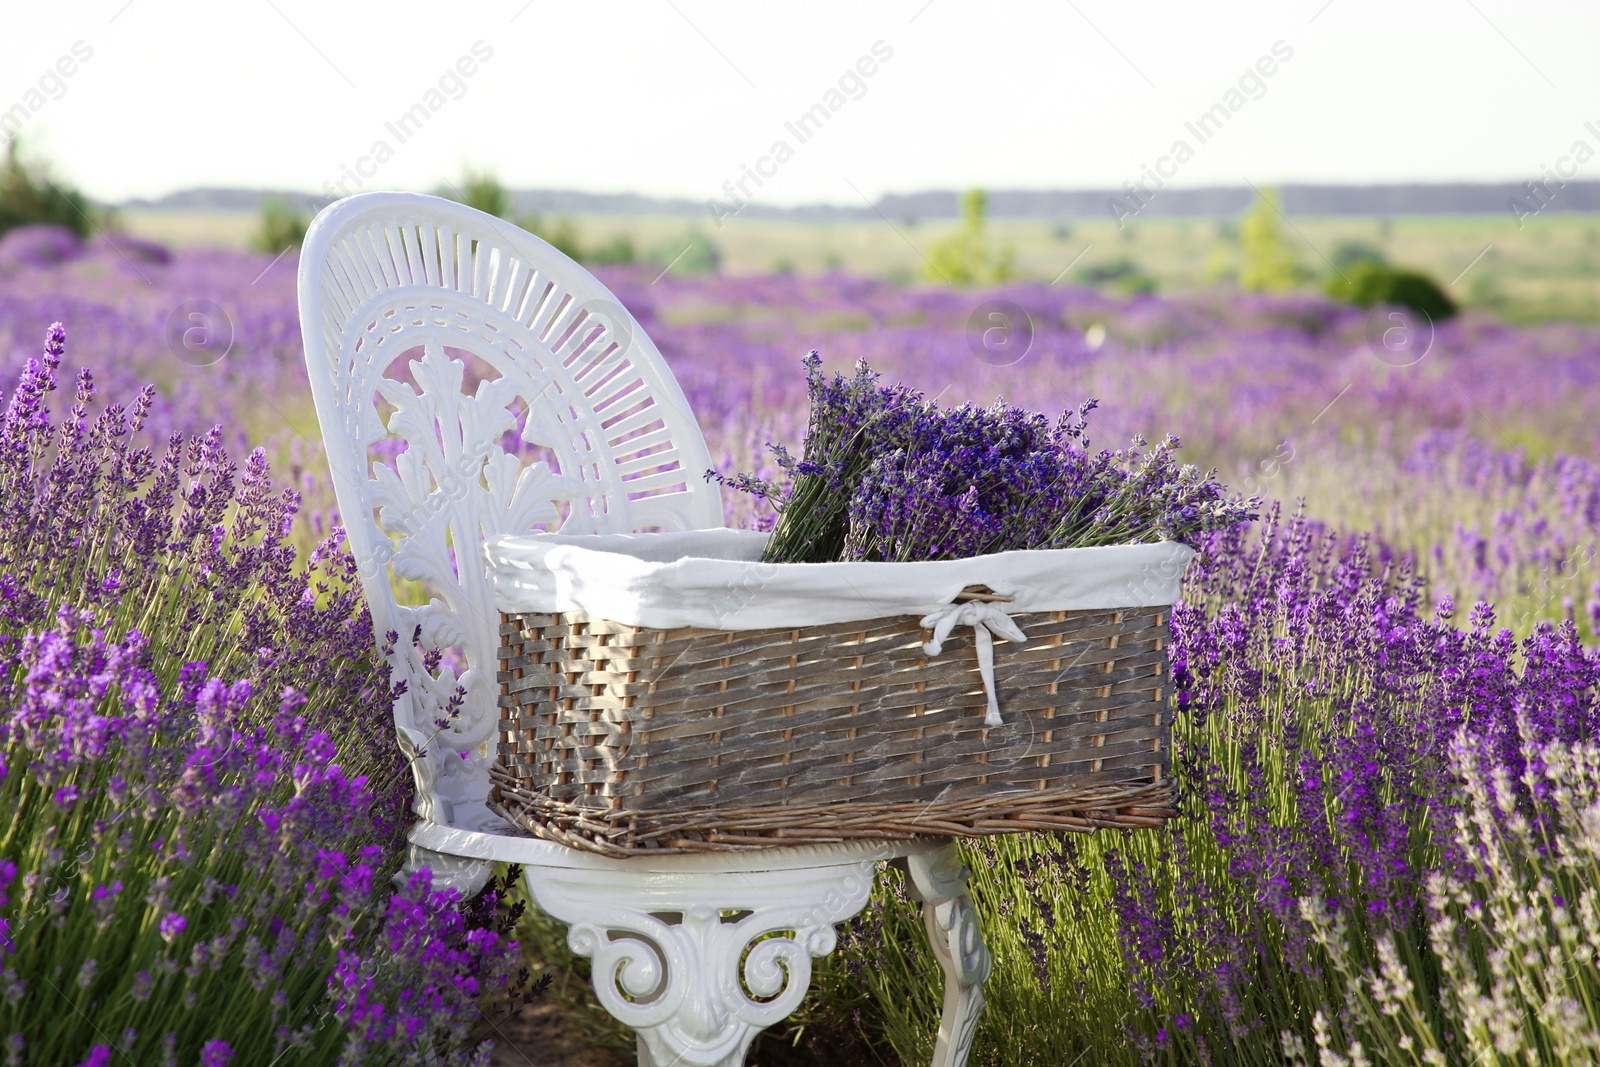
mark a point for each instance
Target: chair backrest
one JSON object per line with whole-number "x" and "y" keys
{"x": 471, "y": 380}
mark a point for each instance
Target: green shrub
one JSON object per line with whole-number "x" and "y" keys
{"x": 617, "y": 251}
{"x": 1269, "y": 264}
{"x": 481, "y": 190}
{"x": 30, "y": 193}
{"x": 1120, "y": 275}
{"x": 694, "y": 253}
{"x": 965, "y": 257}
{"x": 1368, "y": 283}
{"x": 563, "y": 235}
{"x": 281, "y": 227}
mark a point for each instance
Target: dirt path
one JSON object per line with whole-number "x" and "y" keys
{"x": 543, "y": 1036}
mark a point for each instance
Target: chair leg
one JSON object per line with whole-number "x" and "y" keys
{"x": 698, "y": 963}
{"x": 938, "y": 879}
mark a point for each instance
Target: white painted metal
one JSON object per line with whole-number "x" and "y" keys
{"x": 470, "y": 380}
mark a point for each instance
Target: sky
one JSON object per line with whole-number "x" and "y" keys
{"x": 685, "y": 98}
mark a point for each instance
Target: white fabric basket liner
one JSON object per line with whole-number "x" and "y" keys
{"x": 713, "y": 579}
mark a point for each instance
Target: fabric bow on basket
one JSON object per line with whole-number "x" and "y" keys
{"x": 987, "y": 620}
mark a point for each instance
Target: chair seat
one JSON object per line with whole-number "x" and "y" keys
{"x": 479, "y": 834}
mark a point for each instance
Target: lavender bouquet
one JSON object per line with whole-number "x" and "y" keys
{"x": 886, "y": 475}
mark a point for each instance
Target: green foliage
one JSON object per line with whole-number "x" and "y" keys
{"x": 1122, "y": 276}
{"x": 481, "y": 190}
{"x": 694, "y": 253}
{"x": 618, "y": 251}
{"x": 1347, "y": 254}
{"x": 1416, "y": 290}
{"x": 30, "y": 193}
{"x": 563, "y": 234}
{"x": 1269, "y": 263}
{"x": 965, "y": 257}
{"x": 1368, "y": 283}
{"x": 281, "y": 227}
{"x": 1220, "y": 267}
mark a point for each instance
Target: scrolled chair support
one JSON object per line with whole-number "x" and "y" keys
{"x": 699, "y": 964}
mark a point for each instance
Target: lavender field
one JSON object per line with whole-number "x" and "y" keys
{"x": 1389, "y": 849}
{"x": 1474, "y": 452}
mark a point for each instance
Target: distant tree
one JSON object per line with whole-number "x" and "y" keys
{"x": 964, "y": 257}
{"x": 1268, "y": 263}
{"x": 1413, "y": 289}
{"x": 31, "y": 193}
{"x": 281, "y": 227}
{"x": 1368, "y": 283}
{"x": 482, "y": 190}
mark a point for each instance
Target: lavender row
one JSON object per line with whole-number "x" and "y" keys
{"x": 200, "y": 809}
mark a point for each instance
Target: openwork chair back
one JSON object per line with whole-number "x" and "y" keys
{"x": 470, "y": 380}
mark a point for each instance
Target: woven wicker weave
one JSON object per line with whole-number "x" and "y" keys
{"x": 621, "y": 739}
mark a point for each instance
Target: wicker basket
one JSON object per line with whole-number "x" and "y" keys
{"x": 625, "y": 739}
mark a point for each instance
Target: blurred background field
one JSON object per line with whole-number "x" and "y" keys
{"x": 1549, "y": 268}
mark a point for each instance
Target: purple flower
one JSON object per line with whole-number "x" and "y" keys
{"x": 171, "y": 926}
{"x": 99, "y": 1056}
{"x": 215, "y": 1054}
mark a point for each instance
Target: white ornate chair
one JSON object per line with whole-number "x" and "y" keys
{"x": 471, "y": 380}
